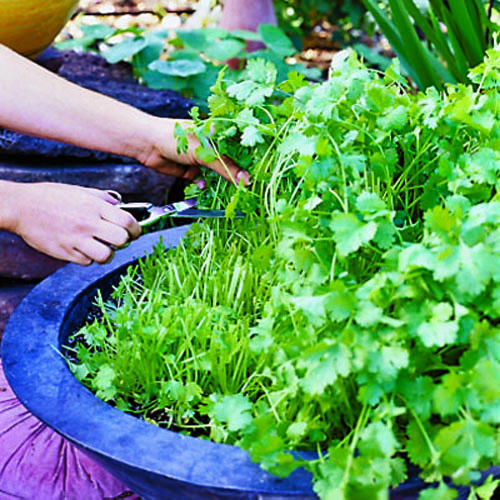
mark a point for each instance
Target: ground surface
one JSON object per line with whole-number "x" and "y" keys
{"x": 124, "y": 13}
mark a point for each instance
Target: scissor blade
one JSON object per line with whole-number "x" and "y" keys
{"x": 194, "y": 213}
{"x": 180, "y": 205}
{"x": 172, "y": 208}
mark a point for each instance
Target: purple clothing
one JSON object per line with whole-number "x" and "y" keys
{"x": 35, "y": 462}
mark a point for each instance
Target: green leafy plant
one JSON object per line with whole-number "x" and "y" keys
{"x": 355, "y": 311}
{"x": 299, "y": 17}
{"x": 439, "y": 56}
{"x": 193, "y": 58}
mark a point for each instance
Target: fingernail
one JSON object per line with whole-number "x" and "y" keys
{"x": 114, "y": 197}
{"x": 201, "y": 184}
{"x": 242, "y": 175}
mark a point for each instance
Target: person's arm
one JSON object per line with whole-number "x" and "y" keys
{"x": 35, "y": 101}
{"x": 66, "y": 222}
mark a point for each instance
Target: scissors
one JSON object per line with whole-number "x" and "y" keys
{"x": 148, "y": 213}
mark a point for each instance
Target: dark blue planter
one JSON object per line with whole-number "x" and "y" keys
{"x": 153, "y": 462}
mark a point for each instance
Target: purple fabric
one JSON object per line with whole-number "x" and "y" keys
{"x": 35, "y": 462}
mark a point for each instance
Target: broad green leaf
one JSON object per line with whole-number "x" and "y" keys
{"x": 194, "y": 39}
{"x": 276, "y": 40}
{"x": 340, "y": 303}
{"x": 126, "y": 49}
{"x": 330, "y": 484}
{"x": 448, "y": 395}
{"x": 388, "y": 361}
{"x": 97, "y": 31}
{"x": 91, "y": 34}
{"x": 205, "y": 154}
{"x": 394, "y": 119}
{"x": 418, "y": 394}
{"x": 181, "y": 67}
{"x": 251, "y": 36}
{"x": 261, "y": 71}
{"x": 224, "y": 49}
{"x": 299, "y": 143}
{"x": 417, "y": 446}
{"x": 296, "y": 431}
{"x": 370, "y": 203}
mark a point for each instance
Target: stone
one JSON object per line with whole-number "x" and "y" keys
{"x": 116, "y": 80}
{"x": 133, "y": 181}
{"x": 10, "y": 296}
{"x": 84, "y": 63}
{"x": 18, "y": 260}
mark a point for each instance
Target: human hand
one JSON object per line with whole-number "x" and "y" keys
{"x": 68, "y": 222}
{"x": 161, "y": 155}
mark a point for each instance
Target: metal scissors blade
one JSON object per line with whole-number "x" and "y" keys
{"x": 194, "y": 213}
{"x": 147, "y": 213}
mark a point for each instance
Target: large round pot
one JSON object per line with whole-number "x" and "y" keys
{"x": 29, "y": 26}
{"x": 153, "y": 462}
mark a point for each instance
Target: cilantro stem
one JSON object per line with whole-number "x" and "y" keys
{"x": 360, "y": 425}
{"x": 434, "y": 453}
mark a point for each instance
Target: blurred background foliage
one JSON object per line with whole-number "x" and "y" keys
{"x": 437, "y": 41}
{"x": 299, "y": 17}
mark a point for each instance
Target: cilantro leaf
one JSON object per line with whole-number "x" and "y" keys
{"x": 234, "y": 411}
{"x": 350, "y": 233}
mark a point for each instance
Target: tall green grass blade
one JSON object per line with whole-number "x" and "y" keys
{"x": 435, "y": 36}
{"x": 460, "y": 66}
{"x": 420, "y": 59}
{"x": 442, "y": 15}
{"x": 394, "y": 38}
{"x": 473, "y": 22}
{"x": 441, "y": 70}
{"x": 462, "y": 29}
{"x": 479, "y": 15}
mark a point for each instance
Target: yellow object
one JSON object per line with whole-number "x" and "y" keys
{"x": 29, "y": 26}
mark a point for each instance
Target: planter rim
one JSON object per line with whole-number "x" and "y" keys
{"x": 43, "y": 383}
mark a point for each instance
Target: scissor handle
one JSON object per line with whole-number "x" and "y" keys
{"x": 137, "y": 205}
{"x": 138, "y": 209}
{"x": 115, "y": 194}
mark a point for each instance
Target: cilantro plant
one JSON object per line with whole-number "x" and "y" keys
{"x": 190, "y": 62}
{"x": 355, "y": 311}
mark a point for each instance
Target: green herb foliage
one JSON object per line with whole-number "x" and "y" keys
{"x": 194, "y": 56}
{"x": 355, "y": 311}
